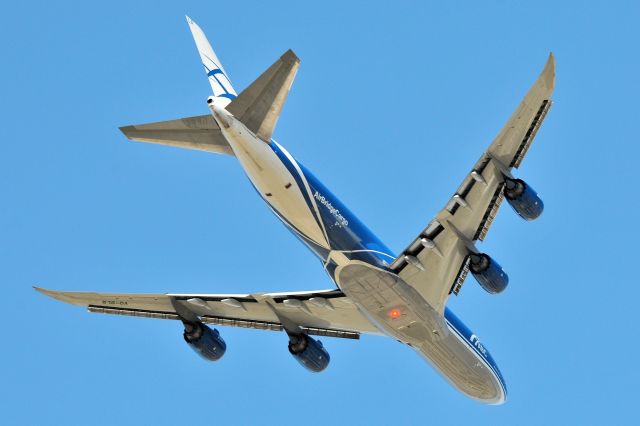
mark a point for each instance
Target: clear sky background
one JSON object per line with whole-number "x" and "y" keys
{"x": 391, "y": 107}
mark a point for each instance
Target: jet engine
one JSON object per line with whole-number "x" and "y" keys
{"x": 488, "y": 273}
{"x": 204, "y": 341}
{"x": 309, "y": 352}
{"x": 523, "y": 199}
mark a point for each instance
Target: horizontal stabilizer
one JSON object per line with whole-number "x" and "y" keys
{"x": 259, "y": 105}
{"x": 201, "y": 133}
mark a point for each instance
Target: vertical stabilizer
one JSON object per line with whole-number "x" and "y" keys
{"x": 218, "y": 79}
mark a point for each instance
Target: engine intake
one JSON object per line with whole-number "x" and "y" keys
{"x": 523, "y": 199}
{"x": 309, "y": 352}
{"x": 204, "y": 341}
{"x": 488, "y": 273}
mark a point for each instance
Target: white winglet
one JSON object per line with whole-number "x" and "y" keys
{"x": 218, "y": 79}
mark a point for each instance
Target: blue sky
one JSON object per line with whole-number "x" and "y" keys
{"x": 391, "y": 107}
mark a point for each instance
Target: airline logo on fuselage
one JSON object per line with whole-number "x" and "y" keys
{"x": 476, "y": 342}
{"x": 340, "y": 220}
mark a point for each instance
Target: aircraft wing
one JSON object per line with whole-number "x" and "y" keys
{"x": 324, "y": 313}
{"x": 436, "y": 262}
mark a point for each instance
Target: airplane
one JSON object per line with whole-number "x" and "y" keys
{"x": 376, "y": 292}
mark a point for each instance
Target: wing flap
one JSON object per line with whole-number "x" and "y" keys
{"x": 228, "y": 322}
{"x": 325, "y": 313}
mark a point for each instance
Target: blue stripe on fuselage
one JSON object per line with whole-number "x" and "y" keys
{"x": 315, "y": 248}
{"x": 474, "y": 343}
{"x": 348, "y": 234}
{"x": 345, "y": 231}
{"x": 294, "y": 172}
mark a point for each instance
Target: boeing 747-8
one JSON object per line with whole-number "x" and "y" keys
{"x": 402, "y": 296}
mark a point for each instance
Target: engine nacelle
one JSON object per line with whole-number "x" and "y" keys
{"x": 488, "y": 273}
{"x": 309, "y": 352}
{"x": 523, "y": 199}
{"x": 204, "y": 341}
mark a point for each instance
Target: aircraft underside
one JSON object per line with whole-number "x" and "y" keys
{"x": 378, "y": 292}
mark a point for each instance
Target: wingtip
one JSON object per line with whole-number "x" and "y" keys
{"x": 290, "y": 55}
{"x": 62, "y": 296}
{"x": 44, "y": 291}
{"x": 548, "y": 74}
{"x": 125, "y": 130}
